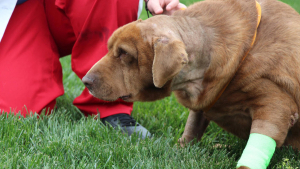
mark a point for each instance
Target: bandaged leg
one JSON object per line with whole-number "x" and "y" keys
{"x": 258, "y": 152}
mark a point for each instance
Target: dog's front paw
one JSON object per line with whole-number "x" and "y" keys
{"x": 183, "y": 141}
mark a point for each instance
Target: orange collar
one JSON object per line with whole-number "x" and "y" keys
{"x": 258, "y": 7}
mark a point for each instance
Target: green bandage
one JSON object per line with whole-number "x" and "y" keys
{"x": 258, "y": 152}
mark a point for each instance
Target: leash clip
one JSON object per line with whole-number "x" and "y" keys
{"x": 146, "y": 7}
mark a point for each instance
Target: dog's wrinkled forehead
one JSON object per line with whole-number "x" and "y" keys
{"x": 155, "y": 28}
{"x": 126, "y": 33}
{"x": 147, "y": 30}
{"x": 140, "y": 31}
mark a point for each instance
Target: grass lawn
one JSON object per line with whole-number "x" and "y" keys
{"x": 67, "y": 139}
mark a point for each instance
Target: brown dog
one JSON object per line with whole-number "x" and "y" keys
{"x": 196, "y": 52}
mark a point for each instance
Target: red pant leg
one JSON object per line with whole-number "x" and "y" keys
{"x": 60, "y": 28}
{"x": 30, "y": 76}
{"x": 93, "y": 21}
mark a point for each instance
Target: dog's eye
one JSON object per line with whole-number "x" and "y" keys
{"x": 122, "y": 53}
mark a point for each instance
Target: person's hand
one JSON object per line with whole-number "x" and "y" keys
{"x": 164, "y": 6}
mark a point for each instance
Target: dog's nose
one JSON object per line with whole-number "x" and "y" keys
{"x": 88, "y": 81}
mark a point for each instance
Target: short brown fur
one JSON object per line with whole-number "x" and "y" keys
{"x": 195, "y": 52}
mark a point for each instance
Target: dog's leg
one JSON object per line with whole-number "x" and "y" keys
{"x": 194, "y": 127}
{"x": 270, "y": 125}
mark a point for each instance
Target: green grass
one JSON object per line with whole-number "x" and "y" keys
{"x": 67, "y": 139}
{"x": 294, "y": 3}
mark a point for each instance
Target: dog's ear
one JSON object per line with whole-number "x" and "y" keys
{"x": 169, "y": 58}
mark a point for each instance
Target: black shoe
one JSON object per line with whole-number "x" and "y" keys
{"x": 127, "y": 124}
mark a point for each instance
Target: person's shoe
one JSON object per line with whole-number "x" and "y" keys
{"x": 127, "y": 124}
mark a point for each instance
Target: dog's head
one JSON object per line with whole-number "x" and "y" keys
{"x": 139, "y": 66}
